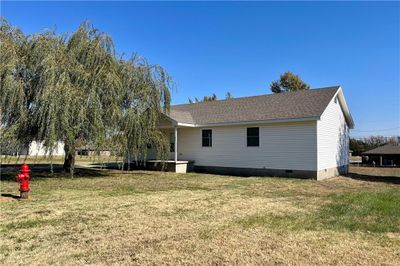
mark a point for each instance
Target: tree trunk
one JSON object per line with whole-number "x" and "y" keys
{"x": 69, "y": 159}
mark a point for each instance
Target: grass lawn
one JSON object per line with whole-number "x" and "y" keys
{"x": 114, "y": 217}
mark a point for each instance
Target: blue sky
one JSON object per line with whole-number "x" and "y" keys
{"x": 213, "y": 47}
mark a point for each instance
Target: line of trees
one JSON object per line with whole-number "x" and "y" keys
{"x": 74, "y": 88}
{"x": 211, "y": 98}
{"x": 358, "y": 146}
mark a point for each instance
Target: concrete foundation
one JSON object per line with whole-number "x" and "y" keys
{"x": 188, "y": 166}
{"x": 331, "y": 172}
{"x": 236, "y": 171}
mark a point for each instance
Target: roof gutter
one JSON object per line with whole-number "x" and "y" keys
{"x": 251, "y": 122}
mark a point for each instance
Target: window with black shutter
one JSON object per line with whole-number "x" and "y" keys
{"x": 253, "y": 137}
{"x": 206, "y": 138}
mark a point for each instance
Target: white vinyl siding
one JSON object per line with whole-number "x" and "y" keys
{"x": 333, "y": 137}
{"x": 282, "y": 146}
{"x": 37, "y": 149}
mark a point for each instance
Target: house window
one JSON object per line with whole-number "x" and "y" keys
{"x": 206, "y": 138}
{"x": 253, "y": 137}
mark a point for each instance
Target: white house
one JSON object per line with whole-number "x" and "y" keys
{"x": 302, "y": 133}
{"x": 37, "y": 149}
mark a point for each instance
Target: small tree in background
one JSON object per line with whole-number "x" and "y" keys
{"x": 211, "y": 98}
{"x": 288, "y": 82}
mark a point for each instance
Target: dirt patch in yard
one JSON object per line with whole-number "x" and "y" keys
{"x": 7, "y": 199}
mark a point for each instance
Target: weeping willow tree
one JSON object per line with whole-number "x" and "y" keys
{"x": 13, "y": 109}
{"x": 74, "y": 88}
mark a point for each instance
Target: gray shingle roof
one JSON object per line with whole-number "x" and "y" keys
{"x": 386, "y": 149}
{"x": 280, "y": 106}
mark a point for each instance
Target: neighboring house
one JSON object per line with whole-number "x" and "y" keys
{"x": 37, "y": 149}
{"x": 302, "y": 133}
{"x": 387, "y": 155}
{"x": 91, "y": 151}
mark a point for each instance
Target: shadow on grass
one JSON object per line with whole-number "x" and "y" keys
{"x": 375, "y": 178}
{"x": 40, "y": 171}
{"x": 8, "y": 174}
{"x": 7, "y": 195}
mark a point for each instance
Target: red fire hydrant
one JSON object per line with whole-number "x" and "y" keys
{"x": 23, "y": 178}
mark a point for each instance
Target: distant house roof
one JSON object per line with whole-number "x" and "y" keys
{"x": 286, "y": 106}
{"x": 389, "y": 149}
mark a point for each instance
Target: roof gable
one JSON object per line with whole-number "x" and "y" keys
{"x": 345, "y": 108}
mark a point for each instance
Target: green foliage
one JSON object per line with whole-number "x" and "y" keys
{"x": 13, "y": 95}
{"x": 288, "y": 82}
{"x": 211, "y": 98}
{"x": 74, "y": 88}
